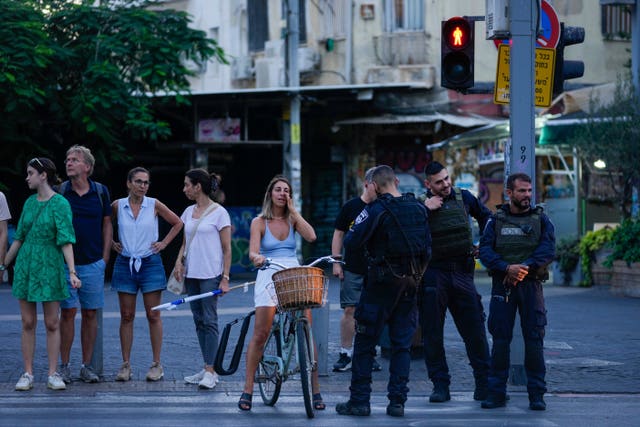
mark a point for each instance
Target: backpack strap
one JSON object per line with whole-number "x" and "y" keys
{"x": 100, "y": 189}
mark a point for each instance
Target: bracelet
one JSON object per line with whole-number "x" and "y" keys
{"x": 226, "y": 276}
{"x": 336, "y": 256}
{"x": 73, "y": 272}
{"x": 3, "y": 267}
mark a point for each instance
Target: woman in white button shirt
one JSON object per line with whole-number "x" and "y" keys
{"x": 138, "y": 266}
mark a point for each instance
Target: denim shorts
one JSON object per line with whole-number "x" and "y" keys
{"x": 150, "y": 278}
{"x": 91, "y": 293}
{"x": 350, "y": 289}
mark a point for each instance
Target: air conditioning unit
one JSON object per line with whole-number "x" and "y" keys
{"x": 308, "y": 59}
{"x": 497, "y": 19}
{"x": 274, "y": 48}
{"x": 269, "y": 72}
{"x": 242, "y": 68}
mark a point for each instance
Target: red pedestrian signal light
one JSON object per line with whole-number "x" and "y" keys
{"x": 457, "y": 54}
{"x": 457, "y": 33}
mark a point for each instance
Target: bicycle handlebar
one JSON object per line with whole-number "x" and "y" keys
{"x": 269, "y": 262}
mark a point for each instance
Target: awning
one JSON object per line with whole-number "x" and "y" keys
{"x": 394, "y": 119}
{"x": 573, "y": 101}
{"x": 497, "y": 130}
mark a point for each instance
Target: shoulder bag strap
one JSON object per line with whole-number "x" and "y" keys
{"x": 195, "y": 229}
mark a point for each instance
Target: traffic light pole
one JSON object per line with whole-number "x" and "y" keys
{"x": 521, "y": 156}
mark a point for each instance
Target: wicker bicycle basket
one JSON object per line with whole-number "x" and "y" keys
{"x": 300, "y": 287}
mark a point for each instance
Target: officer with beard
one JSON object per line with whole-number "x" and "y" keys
{"x": 517, "y": 245}
{"x": 394, "y": 232}
{"x": 448, "y": 282}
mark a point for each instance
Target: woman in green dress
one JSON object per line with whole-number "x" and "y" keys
{"x": 42, "y": 244}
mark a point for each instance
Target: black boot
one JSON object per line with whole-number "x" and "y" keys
{"x": 494, "y": 400}
{"x": 440, "y": 393}
{"x": 395, "y": 409}
{"x": 481, "y": 392}
{"x": 536, "y": 403}
{"x": 349, "y": 408}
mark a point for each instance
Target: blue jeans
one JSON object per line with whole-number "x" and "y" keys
{"x": 150, "y": 278}
{"x": 528, "y": 299}
{"x": 205, "y": 316}
{"x": 453, "y": 290}
{"x": 90, "y": 295}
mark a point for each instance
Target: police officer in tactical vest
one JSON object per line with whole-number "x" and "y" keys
{"x": 448, "y": 282}
{"x": 517, "y": 245}
{"x": 394, "y": 231}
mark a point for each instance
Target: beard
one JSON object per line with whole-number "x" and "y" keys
{"x": 522, "y": 204}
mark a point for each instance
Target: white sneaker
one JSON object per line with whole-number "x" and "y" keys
{"x": 25, "y": 382}
{"x": 55, "y": 382}
{"x": 209, "y": 380}
{"x": 195, "y": 378}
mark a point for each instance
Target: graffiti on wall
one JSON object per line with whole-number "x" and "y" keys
{"x": 241, "y": 217}
{"x": 408, "y": 163}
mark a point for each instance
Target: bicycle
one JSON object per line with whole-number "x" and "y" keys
{"x": 296, "y": 289}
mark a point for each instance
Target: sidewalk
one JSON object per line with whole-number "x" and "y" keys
{"x": 591, "y": 346}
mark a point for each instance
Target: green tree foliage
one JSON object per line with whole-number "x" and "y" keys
{"x": 91, "y": 73}
{"x": 612, "y": 133}
{"x": 25, "y": 57}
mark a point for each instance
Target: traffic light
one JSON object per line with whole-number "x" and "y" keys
{"x": 566, "y": 70}
{"x": 456, "y": 65}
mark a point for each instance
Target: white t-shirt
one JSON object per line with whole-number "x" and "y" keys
{"x": 5, "y": 215}
{"x": 204, "y": 254}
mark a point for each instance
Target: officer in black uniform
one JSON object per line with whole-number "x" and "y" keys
{"x": 395, "y": 234}
{"x": 448, "y": 282}
{"x": 517, "y": 246}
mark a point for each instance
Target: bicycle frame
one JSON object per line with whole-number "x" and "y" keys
{"x": 285, "y": 325}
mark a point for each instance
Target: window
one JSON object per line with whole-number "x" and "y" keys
{"x": 334, "y": 18}
{"x": 257, "y": 13}
{"x": 616, "y": 22}
{"x": 403, "y": 15}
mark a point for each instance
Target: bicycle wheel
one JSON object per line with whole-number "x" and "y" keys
{"x": 305, "y": 363}
{"x": 268, "y": 378}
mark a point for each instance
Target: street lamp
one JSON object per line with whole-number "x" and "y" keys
{"x": 599, "y": 164}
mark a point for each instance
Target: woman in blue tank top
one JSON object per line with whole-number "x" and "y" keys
{"x": 273, "y": 236}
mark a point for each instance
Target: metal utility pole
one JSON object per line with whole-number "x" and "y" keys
{"x": 522, "y": 118}
{"x": 292, "y": 165}
{"x": 291, "y": 152}
{"x": 521, "y": 154}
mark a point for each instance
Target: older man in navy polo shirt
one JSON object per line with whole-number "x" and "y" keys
{"x": 91, "y": 207}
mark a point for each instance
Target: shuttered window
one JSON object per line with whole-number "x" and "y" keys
{"x": 404, "y": 15}
{"x": 616, "y": 22}
{"x": 334, "y": 18}
{"x": 257, "y": 14}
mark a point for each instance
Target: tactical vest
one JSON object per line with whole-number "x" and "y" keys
{"x": 517, "y": 237}
{"x": 450, "y": 229}
{"x": 402, "y": 229}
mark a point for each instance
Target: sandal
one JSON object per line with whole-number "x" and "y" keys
{"x": 244, "y": 404}
{"x": 318, "y": 404}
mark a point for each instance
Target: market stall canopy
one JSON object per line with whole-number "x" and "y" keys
{"x": 395, "y": 119}
{"x": 498, "y": 129}
{"x": 574, "y": 101}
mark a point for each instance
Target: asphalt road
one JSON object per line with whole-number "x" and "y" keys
{"x": 592, "y": 350}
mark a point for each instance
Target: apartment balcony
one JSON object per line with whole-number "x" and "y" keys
{"x": 401, "y": 57}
